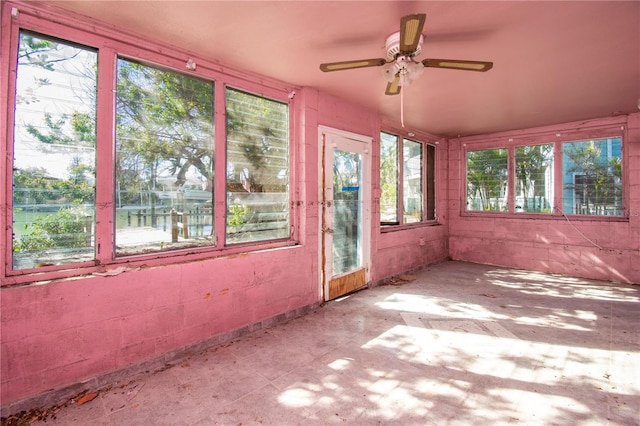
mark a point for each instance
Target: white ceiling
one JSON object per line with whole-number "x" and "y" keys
{"x": 554, "y": 62}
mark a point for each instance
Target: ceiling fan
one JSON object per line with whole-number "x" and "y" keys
{"x": 402, "y": 48}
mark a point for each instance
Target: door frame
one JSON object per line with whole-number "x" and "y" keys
{"x": 326, "y": 137}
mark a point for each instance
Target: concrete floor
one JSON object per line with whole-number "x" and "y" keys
{"x": 462, "y": 344}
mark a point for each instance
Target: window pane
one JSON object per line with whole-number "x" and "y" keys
{"x": 388, "y": 178}
{"x": 412, "y": 181}
{"x": 347, "y": 211}
{"x": 164, "y": 160}
{"x": 431, "y": 182}
{"x": 257, "y": 168}
{"x": 487, "y": 180}
{"x": 54, "y": 153}
{"x": 592, "y": 177}
{"x": 534, "y": 178}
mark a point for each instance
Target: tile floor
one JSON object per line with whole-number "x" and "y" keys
{"x": 462, "y": 344}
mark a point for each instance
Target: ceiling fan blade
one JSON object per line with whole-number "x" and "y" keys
{"x": 456, "y": 64}
{"x": 348, "y": 65}
{"x": 393, "y": 88}
{"x": 410, "y": 32}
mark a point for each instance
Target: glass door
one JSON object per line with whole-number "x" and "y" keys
{"x": 346, "y": 214}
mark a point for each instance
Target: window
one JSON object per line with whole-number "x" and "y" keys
{"x": 257, "y": 168}
{"x": 407, "y": 174}
{"x": 591, "y": 184}
{"x": 54, "y": 153}
{"x": 592, "y": 177}
{"x": 389, "y": 178}
{"x": 534, "y": 179}
{"x": 487, "y": 180}
{"x": 106, "y": 172}
{"x": 164, "y": 159}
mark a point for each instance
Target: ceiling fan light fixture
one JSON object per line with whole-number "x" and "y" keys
{"x": 407, "y": 69}
{"x": 390, "y": 72}
{"x": 414, "y": 70}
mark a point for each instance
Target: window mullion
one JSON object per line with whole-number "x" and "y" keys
{"x": 557, "y": 179}
{"x": 511, "y": 180}
{"x": 220, "y": 165}
{"x": 105, "y": 152}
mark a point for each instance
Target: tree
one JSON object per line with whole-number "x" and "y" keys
{"x": 598, "y": 176}
{"x": 531, "y": 165}
{"x": 487, "y": 177}
{"x": 389, "y": 177}
{"x": 164, "y": 119}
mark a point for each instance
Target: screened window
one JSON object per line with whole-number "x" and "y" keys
{"x": 592, "y": 177}
{"x": 407, "y": 174}
{"x": 590, "y": 185}
{"x": 54, "y": 153}
{"x": 257, "y": 168}
{"x": 534, "y": 178}
{"x": 487, "y": 179}
{"x": 164, "y": 159}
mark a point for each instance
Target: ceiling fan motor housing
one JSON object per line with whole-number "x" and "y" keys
{"x": 392, "y": 46}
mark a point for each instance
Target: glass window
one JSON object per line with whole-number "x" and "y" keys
{"x": 257, "y": 168}
{"x": 388, "y": 179}
{"x": 164, "y": 160}
{"x": 413, "y": 165}
{"x": 592, "y": 177}
{"x": 407, "y": 173}
{"x": 487, "y": 173}
{"x": 54, "y": 153}
{"x": 534, "y": 179}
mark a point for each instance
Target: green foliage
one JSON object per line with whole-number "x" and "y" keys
{"x": 531, "y": 165}
{"x": 237, "y": 215}
{"x": 163, "y": 118}
{"x": 35, "y": 51}
{"x": 389, "y": 174}
{"x": 487, "y": 177}
{"x": 600, "y": 182}
{"x": 66, "y": 228}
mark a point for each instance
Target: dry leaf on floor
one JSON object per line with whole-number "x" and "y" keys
{"x": 87, "y": 397}
{"x": 407, "y": 277}
{"x": 488, "y": 295}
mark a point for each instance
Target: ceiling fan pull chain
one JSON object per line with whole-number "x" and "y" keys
{"x": 402, "y": 107}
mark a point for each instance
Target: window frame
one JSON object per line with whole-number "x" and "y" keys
{"x": 429, "y": 181}
{"x": 570, "y": 132}
{"x": 111, "y": 45}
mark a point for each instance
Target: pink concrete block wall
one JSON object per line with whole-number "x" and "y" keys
{"x": 61, "y": 333}
{"x": 58, "y": 333}
{"x": 64, "y": 332}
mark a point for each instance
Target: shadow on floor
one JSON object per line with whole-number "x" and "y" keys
{"x": 462, "y": 344}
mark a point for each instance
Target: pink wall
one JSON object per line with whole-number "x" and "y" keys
{"x": 552, "y": 244}
{"x": 399, "y": 250}
{"x": 60, "y": 333}
{"x": 68, "y": 331}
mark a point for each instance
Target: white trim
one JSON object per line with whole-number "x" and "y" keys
{"x": 367, "y": 142}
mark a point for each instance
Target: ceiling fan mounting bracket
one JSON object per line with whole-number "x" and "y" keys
{"x": 392, "y": 46}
